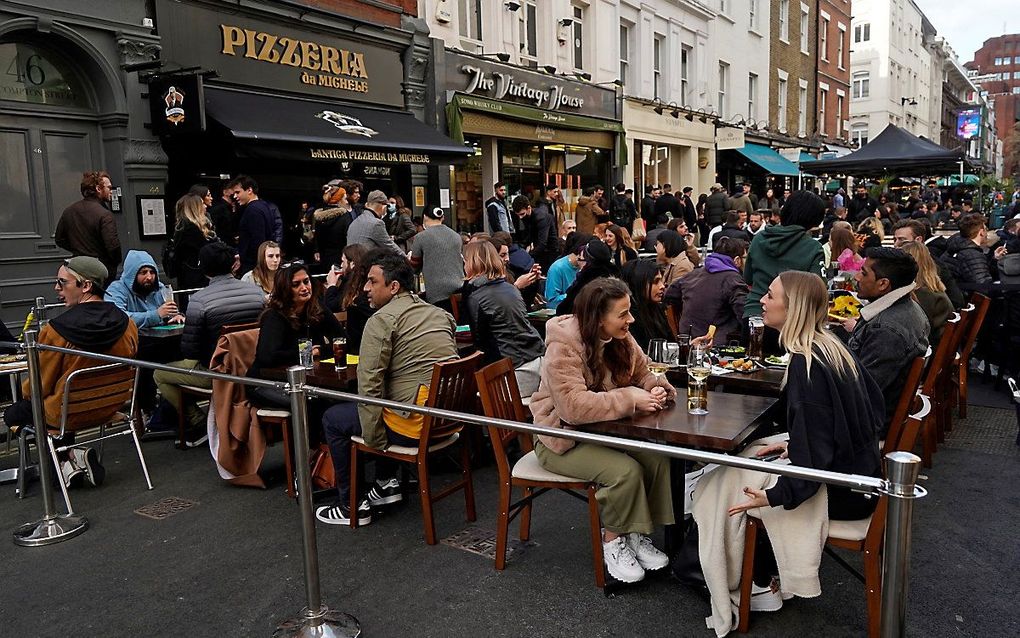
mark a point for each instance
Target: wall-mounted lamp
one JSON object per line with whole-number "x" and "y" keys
{"x": 502, "y": 56}
{"x": 550, "y": 69}
{"x": 583, "y": 75}
{"x": 512, "y": 6}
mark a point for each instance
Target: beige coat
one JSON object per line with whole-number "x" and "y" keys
{"x": 587, "y": 214}
{"x": 564, "y": 397}
{"x": 242, "y": 444}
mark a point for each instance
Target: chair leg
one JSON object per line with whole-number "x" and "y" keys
{"x": 469, "y": 484}
{"x": 928, "y": 439}
{"x": 141, "y": 457}
{"x": 353, "y": 504}
{"x": 56, "y": 468}
{"x": 873, "y": 592}
{"x": 425, "y": 491}
{"x": 23, "y": 460}
{"x": 962, "y": 408}
{"x": 526, "y": 515}
{"x": 288, "y": 458}
{"x": 747, "y": 576}
{"x": 181, "y": 421}
{"x": 503, "y": 524}
{"x": 598, "y": 562}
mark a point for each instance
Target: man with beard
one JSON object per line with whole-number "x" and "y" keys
{"x": 498, "y": 212}
{"x": 861, "y": 205}
{"x": 87, "y": 227}
{"x": 139, "y": 293}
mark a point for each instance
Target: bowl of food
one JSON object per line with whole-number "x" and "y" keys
{"x": 845, "y": 307}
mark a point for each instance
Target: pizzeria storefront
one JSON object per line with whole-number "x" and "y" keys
{"x": 292, "y": 106}
{"x": 526, "y": 129}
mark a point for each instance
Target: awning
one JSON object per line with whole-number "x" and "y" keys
{"x": 770, "y": 161}
{"x": 274, "y": 127}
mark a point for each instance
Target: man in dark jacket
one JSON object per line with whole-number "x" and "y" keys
{"x": 861, "y": 205}
{"x": 892, "y": 329}
{"x": 498, "y": 213}
{"x": 260, "y": 221}
{"x": 541, "y": 227}
{"x": 908, "y": 230}
{"x": 621, "y": 210}
{"x": 732, "y": 229}
{"x": 652, "y": 194}
{"x": 223, "y": 214}
{"x": 965, "y": 256}
{"x": 224, "y": 301}
{"x": 332, "y": 220}
{"x": 716, "y": 206}
{"x": 87, "y": 227}
{"x": 667, "y": 206}
{"x": 689, "y": 211}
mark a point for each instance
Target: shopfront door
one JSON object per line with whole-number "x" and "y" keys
{"x": 43, "y": 159}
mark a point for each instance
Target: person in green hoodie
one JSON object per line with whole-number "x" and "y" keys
{"x": 786, "y": 246}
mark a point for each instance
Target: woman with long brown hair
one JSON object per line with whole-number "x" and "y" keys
{"x": 191, "y": 231}
{"x": 619, "y": 242}
{"x": 594, "y": 371}
{"x": 264, "y": 272}
{"x": 840, "y": 239}
{"x": 345, "y": 292}
{"x": 930, "y": 293}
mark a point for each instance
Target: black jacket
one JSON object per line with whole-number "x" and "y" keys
{"x": 648, "y": 211}
{"x": 589, "y": 273}
{"x": 543, "y": 238}
{"x": 735, "y": 232}
{"x": 499, "y": 322}
{"x": 331, "y": 233}
{"x": 278, "y": 340}
{"x": 358, "y": 312}
{"x": 187, "y": 242}
{"x": 224, "y": 301}
{"x": 622, "y": 211}
{"x": 224, "y": 220}
{"x": 667, "y": 207}
{"x": 689, "y": 211}
{"x": 966, "y": 261}
{"x": 859, "y": 209}
{"x": 833, "y": 424}
{"x": 715, "y": 208}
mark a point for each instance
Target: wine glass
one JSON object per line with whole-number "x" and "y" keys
{"x": 658, "y": 361}
{"x": 699, "y": 366}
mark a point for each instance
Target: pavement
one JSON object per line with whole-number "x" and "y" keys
{"x": 230, "y": 564}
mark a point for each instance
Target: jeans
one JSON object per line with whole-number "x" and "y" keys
{"x": 340, "y": 423}
{"x": 19, "y": 414}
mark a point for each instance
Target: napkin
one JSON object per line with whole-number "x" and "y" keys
{"x": 352, "y": 360}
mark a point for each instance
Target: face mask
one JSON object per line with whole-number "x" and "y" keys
{"x": 391, "y": 209}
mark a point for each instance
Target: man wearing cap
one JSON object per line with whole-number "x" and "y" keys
{"x": 598, "y": 262}
{"x": 224, "y": 301}
{"x": 87, "y": 227}
{"x": 89, "y": 324}
{"x": 436, "y": 253}
{"x": 369, "y": 230}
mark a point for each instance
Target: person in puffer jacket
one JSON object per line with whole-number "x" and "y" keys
{"x": 965, "y": 256}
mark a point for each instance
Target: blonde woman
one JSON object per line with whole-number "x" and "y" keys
{"x": 930, "y": 293}
{"x": 873, "y": 232}
{"x": 192, "y": 231}
{"x": 264, "y": 272}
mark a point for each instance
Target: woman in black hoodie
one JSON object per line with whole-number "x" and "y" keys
{"x": 598, "y": 262}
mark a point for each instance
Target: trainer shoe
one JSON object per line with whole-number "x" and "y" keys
{"x": 71, "y": 476}
{"x": 766, "y": 598}
{"x": 87, "y": 459}
{"x": 621, "y": 562}
{"x": 647, "y": 555}
{"x": 385, "y": 493}
{"x": 340, "y": 514}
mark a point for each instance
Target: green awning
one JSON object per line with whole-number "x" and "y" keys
{"x": 969, "y": 179}
{"x": 770, "y": 161}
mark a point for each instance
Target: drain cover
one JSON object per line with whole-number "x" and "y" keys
{"x": 165, "y": 507}
{"x": 482, "y": 541}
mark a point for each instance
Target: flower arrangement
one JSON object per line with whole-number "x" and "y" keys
{"x": 849, "y": 261}
{"x": 846, "y": 306}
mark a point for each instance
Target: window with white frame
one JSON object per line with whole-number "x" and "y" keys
{"x": 753, "y": 18}
{"x": 624, "y": 52}
{"x": 840, "y": 97}
{"x": 577, "y": 29}
{"x": 528, "y": 22}
{"x": 657, "y": 66}
{"x": 1016, "y": 90}
{"x": 685, "y": 73}
{"x": 781, "y": 90}
{"x": 997, "y": 62}
{"x": 859, "y": 133}
{"x": 1016, "y": 60}
{"x": 784, "y": 20}
{"x": 839, "y": 46}
{"x": 471, "y": 19}
{"x": 752, "y": 95}
{"x": 802, "y": 108}
{"x": 823, "y": 99}
{"x": 862, "y": 32}
{"x": 724, "y": 82}
{"x": 1016, "y": 75}
{"x": 805, "y": 28}
{"x": 823, "y": 40}
{"x": 860, "y": 84}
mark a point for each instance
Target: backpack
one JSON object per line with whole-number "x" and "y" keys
{"x": 170, "y": 257}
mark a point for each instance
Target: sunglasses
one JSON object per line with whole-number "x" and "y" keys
{"x": 61, "y": 282}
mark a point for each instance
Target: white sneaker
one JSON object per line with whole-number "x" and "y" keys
{"x": 69, "y": 473}
{"x": 647, "y": 555}
{"x": 621, "y": 561}
{"x": 86, "y": 458}
{"x": 765, "y": 598}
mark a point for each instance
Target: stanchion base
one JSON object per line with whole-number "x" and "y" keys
{"x": 48, "y": 531}
{"x": 325, "y": 624}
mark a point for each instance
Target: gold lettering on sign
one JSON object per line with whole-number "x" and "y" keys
{"x": 368, "y": 156}
{"x": 274, "y": 49}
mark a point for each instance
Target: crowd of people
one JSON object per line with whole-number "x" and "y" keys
{"x": 719, "y": 261}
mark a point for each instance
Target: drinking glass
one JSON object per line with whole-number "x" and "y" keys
{"x": 699, "y": 366}
{"x": 684, "y": 342}
{"x": 340, "y": 353}
{"x": 168, "y": 293}
{"x": 756, "y": 332}
{"x": 305, "y": 353}
{"x": 658, "y": 362}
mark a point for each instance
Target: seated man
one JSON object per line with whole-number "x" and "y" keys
{"x": 564, "y": 270}
{"x": 402, "y": 341}
{"x": 224, "y": 301}
{"x": 965, "y": 255}
{"x": 91, "y": 324}
{"x": 139, "y": 293}
{"x": 892, "y": 329}
{"x": 908, "y": 230}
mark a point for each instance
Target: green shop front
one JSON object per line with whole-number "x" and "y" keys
{"x": 527, "y": 129}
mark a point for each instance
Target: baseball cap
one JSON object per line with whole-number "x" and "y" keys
{"x": 88, "y": 269}
{"x": 377, "y": 197}
{"x": 717, "y": 186}
{"x": 597, "y": 251}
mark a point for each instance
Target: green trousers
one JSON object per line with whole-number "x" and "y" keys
{"x": 635, "y": 488}
{"x": 168, "y": 383}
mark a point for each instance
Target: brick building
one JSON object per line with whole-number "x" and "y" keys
{"x": 833, "y": 101}
{"x": 997, "y": 68}
{"x": 793, "y": 51}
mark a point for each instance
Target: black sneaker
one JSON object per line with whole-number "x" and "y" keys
{"x": 340, "y": 514}
{"x": 385, "y": 493}
{"x": 86, "y": 458}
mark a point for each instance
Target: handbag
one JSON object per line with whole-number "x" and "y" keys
{"x": 323, "y": 476}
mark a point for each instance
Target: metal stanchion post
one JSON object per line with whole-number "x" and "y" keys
{"x": 901, "y": 471}
{"x": 316, "y": 619}
{"x": 39, "y": 312}
{"x": 52, "y": 527}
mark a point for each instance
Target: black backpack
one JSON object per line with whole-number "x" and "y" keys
{"x": 170, "y": 257}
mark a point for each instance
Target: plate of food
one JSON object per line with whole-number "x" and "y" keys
{"x": 12, "y": 358}
{"x": 740, "y": 365}
{"x": 731, "y": 351}
{"x": 845, "y": 307}
{"x": 780, "y": 362}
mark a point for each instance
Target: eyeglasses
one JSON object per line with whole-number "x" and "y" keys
{"x": 61, "y": 282}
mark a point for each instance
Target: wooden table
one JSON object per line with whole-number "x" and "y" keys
{"x": 322, "y": 375}
{"x": 764, "y": 383}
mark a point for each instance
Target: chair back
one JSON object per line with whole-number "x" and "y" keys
{"x": 907, "y": 396}
{"x": 452, "y": 388}
{"x": 501, "y": 399}
{"x": 980, "y": 304}
{"x": 94, "y": 394}
{"x": 943, "y": 356}
{"x": 672, "y": 319}
{"x": 455, "y": 300}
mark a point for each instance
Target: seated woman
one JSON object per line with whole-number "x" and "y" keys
{"x": 644, "y": 278}
{"x": 620, "y": 244}
{"x": 497, "y": 316}
{"x": 841, "y": 238}
{"x": 293, "y": 313}
{"x": 264, "y": 272}
{"x": 713, "y": 295}
{"x": 345, "y": 292}
{"x": 930, "y": 293}
{"x": 671, "y": 254}
{"x": 594, "y": 371}
{"x": 832, "y": 410}
{"x": 873, "y": 232}
{"x": 598, "y": 262}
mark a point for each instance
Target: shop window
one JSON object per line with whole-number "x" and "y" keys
{"x": 624, "y": 52}
{"x": 654, "y": 163}
{"x": 577, "y": 29}
{"x": 468, "y": 192}
{"x": 471, "y": 19}
{"x": 36, "y": 75}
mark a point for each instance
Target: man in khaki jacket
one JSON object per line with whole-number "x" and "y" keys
{"x": 401, "y": 342}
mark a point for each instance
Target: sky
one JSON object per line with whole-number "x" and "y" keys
{"x": 967, "y": 24}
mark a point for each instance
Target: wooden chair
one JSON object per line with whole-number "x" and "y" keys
{"x": 931, "y": 386}
{"x": 906, "y": 402}
{"x": 90, "y": 395}
{"x": 980, "y": 304}
{"x": 501, "y": 399}
{"x": 452, "y": 388}
{"x": 269, "y": 420}
{"x": 455, "y": 300}
{"x": 672, "y": 319}
{"x": 864, "y": 536}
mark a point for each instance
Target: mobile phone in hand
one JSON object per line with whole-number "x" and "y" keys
{"x": 771, "y": 457}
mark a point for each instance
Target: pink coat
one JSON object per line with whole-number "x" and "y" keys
{"x": 564, "y": 397}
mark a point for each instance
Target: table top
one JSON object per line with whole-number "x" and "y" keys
{"x": 765, "y": 382}
{"x": 730, "y": 421}
{"x": 323, "y": 375}
{"x": 166, "y": 330}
